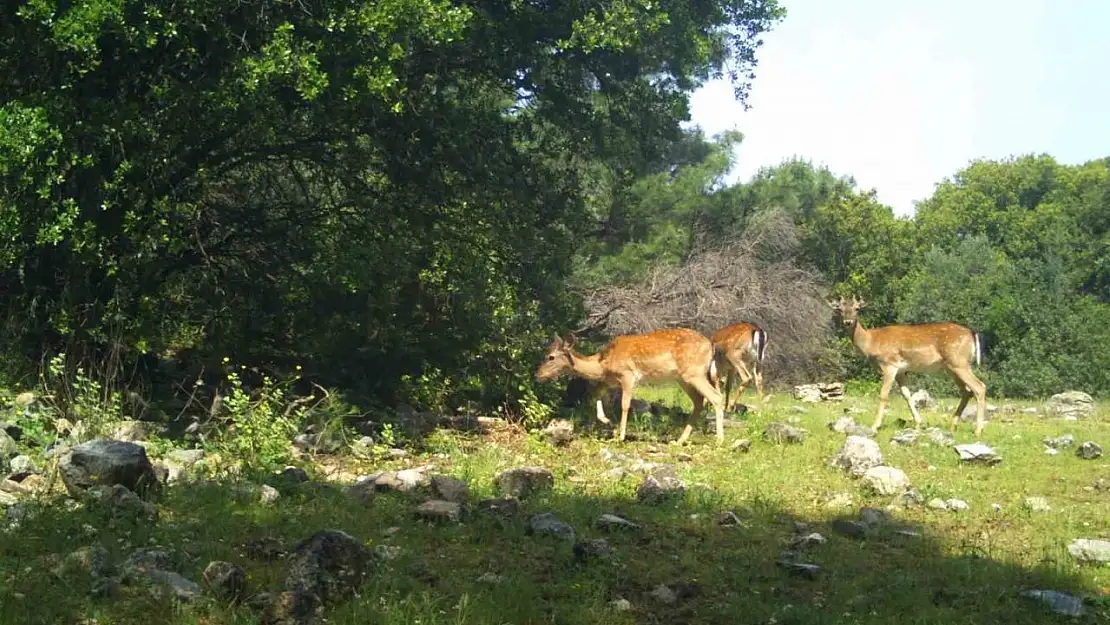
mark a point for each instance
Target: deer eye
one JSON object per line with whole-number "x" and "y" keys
{"x": 551, "y": 356}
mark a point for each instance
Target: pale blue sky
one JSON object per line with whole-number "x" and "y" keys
{"x": 903, "y": 93}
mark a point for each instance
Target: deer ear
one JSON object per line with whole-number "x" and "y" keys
{"x": 557, "y": 343}
{"x": 832, "y": 303}
{"x": 860, "y": 304}
{"x": 568, "y": 341}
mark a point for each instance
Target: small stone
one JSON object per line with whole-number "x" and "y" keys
{"x": 886, "y": 480}
{"x": 1089, "y": 450}
{"x": 225, "y": 580}
{"x": 522, "y": 481}
{"x": 685, "y": 458}
{"x": 265, "y": 549}
{"x": 852, "y": 529}
{"x": 559, "y": 432}
{"x": 873, "y": 517}
{"x": 1058, "y": 602}
{"x": 1051, "y": 451}
{"x": 22, "y": 464}
{"x": 546, "y": 523}
{"x": 939, "y": 437}
{"x": 1090, "y": 550}
{"x": 857, "y": 456}
{"x": 664, "y": 594}
{"x": 996, "y": 507}
{"x": 387, "y": 553}
{"x": 801, "y": 569}
{"x": 977, "y": 452}
{"x": 615, "y": 474}
{"x": 621, "y": 605}
{"x": 842, "y": 424}
{"x": 614, "y": 522}
{"x": 839, "y": 500}
{"x": 1071, "y": 405}
{"x": 957, "y": 505}
{"x": 906, "y": 437}
{"x": 450, "y": 489}
{"x": 937, "y": 503}
{"x": 364, "y": 490}
{"x": 1036, "y": 504}
{"x": 728, "y": 518}
{"x": 438, "y": 510}
{"x": 597, "y": 548}
{"x": 782, "y": 433}
{"x": 656, "y": 490}
{"x": 1059, "y": 442}
{"x": 293, "y": 475}
{"x": 743, "y": 445}
{"x": 268, "y": 494}
{"x": 807, "y": 541}
{"x": 504, "y": 506}
{"x": 490, "y": 578}
{"x": 922, "y": 400}
{"x": 394, "y": 453}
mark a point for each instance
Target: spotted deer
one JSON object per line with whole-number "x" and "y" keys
{"x": 739, "y": 353}
{"x": 925, "y": 347}
{"x": 678, "y": 354}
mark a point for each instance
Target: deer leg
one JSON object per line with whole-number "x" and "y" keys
{"x": 699, "y": 403}
{"x": 976, "y": 387}
{"x": 889, "y": 374}
{"x": 757, "y": 371}
{"x": 626, "y": 403}
{"x": 745, "y": 378}
{"x": 901, "y": 379}
{"x": 702, "y": 385}
{"x": 965, "y": 395}
{"x": 598, "y": 391}
{"x": 730, "y": 377}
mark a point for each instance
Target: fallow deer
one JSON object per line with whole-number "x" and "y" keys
{"x": 678, "y": 354}
{"x": 739, "y": 352}
{"x": 925, "y": 347}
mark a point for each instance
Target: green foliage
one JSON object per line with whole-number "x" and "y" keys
{"x": 260, "y": 422}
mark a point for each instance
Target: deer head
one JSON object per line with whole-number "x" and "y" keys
{"x": 558, "y": 361}
{"x": 849, "y": 310}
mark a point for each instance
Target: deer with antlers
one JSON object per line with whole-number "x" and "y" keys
{"x": 739, "y": 351}
{"x": 678, "y": 354}
{"x": 925, "y": 347}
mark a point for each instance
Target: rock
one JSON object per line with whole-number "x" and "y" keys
{"x": 615, "y": 474}
{"x": 546, "y": 523}
{"x": 861, "y": 430}
{"x": 123, "y": 502}
{"x": 658, "y": 489}
{"x": 857, "y": 456}
{"x": 971, "y": 412}
{"x": 664, "y": 594}
{"x": 801, "y": 569}
{"x": 614, "y": 522}
{"x": 158, "y": 567}
{"x": 1089, "y": 450}
{"x": 401, "y": 481}
{"x": 937, "y": 503}
{"x": 22, "y": 465}
{"x": 523, "y": 481}
{"x": 886, "y": 480}
{"x": 107, "y": 462}
{"x": 839, "y": 500}
{"x": 1090, "y": 550}
{"x": 559, "y": 432}
{"x": 743, "y": 445}
{"x": 440, "y": 511}
{"x": 267, "y": 494}
{"x": 293, "y": 475}
{"x": 330, "y": 565}
{"x": 597, "y": 548}
{"x": 1059, "y": 442}
{"x": 1071, "y": 405}
{"x": 939, "y": 437}
{"x": 93, "y": 561}
{"x": 225, "y": 580}
{"x": 873, "y": 517}
{"x": 185, "y": 457}
{"x": 842, "y": 424}
{"x": 292, "y": 607}
{"x": 957, "y": 505}
{"x": 813, "y": 393}
{"x": 1036, "y": 504}
{"x": 8, "y": 447}
{"x": 728, "y": 518}
{"x": 450, "y": 489}
{"x": 1058, "y": 602}
{"x": 26, "y": 398}
{"x": 852, "y": 529}
{"x": 807, "y": 541}
{"x": 782, "y": 433}
{"x": 621, "y": 605}
{"x": 1052, "y": 451}
{"x": 132, "y": 431}
{"x": 364, "y": 490}
{"x": 906, "y": 437}
{"x": 977, "y": 452}
{"x": 503, "y": 507}
{"x": 265, "y": 549}
{"x": 923, "y": 400}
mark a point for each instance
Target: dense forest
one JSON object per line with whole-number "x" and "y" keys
{"x": 403, "y": 201}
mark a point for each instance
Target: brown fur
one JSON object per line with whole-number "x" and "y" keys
{"x": 738, "y": 357}
{"x": 679, "y": 354}
{"x": 898, "y": 349}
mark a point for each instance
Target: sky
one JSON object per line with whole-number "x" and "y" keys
{"x": 902, "y": 94}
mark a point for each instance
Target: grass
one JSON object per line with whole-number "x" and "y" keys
{"x": 966, "y": 567}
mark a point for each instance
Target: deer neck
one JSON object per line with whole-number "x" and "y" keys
{"x": 588, "y": 367}
{"x": 861, "y": 336}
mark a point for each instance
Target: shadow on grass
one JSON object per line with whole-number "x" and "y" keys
{"x": 721, "y": 573}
